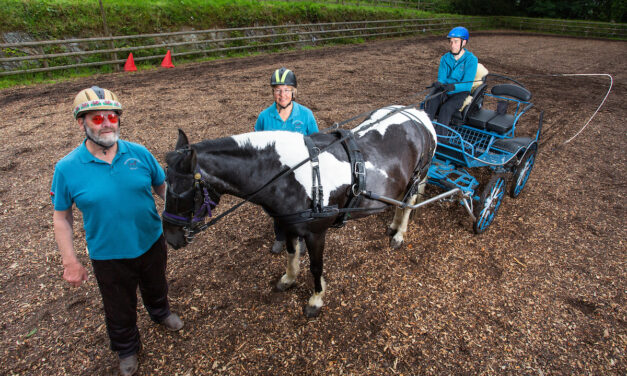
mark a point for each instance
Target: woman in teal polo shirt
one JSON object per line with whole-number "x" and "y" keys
{"x": 285, "y": 115}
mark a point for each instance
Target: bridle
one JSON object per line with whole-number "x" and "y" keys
{"x": 192, "y": 220}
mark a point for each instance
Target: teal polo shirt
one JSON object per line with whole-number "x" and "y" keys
{"x": 301, "y": 120}
{"x": 119, "y": 214}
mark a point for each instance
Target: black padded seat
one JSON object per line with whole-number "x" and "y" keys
{"x": 457, "y": 118}
{"x": 514, "y": 91}
{"x": 512, "y": 145}
{"x": 480, "y": 118}
{"x": 501, "y": 124}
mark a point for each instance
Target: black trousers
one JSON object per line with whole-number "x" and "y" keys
{"x": 118, "y": 281}
{"x": 446, "y": 104}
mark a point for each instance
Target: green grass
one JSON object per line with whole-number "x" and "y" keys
{"x": 46, "y": 19}
{"x": 69, "y": 19}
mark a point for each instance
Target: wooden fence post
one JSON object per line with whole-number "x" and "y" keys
{"x": 114, "y": 55}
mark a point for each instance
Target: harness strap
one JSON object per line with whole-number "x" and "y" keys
{"x": 316, "y": 183}
{"x": 327, "y": 211}
{"x": 358, "y": 170}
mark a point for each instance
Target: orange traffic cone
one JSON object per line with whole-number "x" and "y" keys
{"x": 167, "y": 61}
{"x": 129, "y": 66}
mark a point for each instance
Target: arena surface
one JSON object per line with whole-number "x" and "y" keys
{"x": 542, "y": 292}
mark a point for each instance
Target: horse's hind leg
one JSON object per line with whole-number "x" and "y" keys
{"x": 293, "y": 264}
{"x": 398, "y": 227}
{"x": 315, "y": 246}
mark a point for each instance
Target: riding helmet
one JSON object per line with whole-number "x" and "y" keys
{"x": 95, "y": 98}
{"x": 283, "y": 76}
{"x": 459, "y": 32}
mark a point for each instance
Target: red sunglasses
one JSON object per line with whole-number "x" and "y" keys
{"x": 98, "y": 119}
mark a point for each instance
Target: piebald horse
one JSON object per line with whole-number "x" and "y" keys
{"x": 396, "y": 143}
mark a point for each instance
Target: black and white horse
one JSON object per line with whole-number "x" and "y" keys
{"x": 395, "y": 142}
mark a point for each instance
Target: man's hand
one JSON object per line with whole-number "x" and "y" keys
{"x": 74, "y": 273}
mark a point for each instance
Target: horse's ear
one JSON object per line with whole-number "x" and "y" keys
{"x": 193, "y": 160}
{"x": 182, "y": 141}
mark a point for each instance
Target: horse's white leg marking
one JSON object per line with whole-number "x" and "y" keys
{"x": 403, "y": 217}
{"x": 316, "y": 299}
{"x": 293, "y": 266}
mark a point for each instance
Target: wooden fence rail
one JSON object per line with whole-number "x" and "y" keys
{"x": 53, "y": 55}
{"x": 207, "y": 42}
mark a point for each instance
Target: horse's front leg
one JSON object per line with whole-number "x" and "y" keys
{"x": 293, "y": 264}
{"x": 315, "y": 246}
{"x": 398, "y": 227}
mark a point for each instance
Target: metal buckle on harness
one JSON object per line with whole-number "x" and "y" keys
{"x": 359, "y": 168}
{"x": 355, "y": 190}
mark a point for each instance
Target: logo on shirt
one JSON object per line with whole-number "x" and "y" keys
{"x": 132, "y": 163}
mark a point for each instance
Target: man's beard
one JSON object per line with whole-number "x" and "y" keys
{"x": 105, "y": 141}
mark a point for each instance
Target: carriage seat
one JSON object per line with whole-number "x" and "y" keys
{"x": 513, "y": 91}
{"x": 513, "y": 145}
{"x": 503, "y": 123}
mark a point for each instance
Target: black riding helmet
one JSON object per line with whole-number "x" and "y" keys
{"x": 283, "y": 76}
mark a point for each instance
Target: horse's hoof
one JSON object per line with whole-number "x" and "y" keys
{"x": 311, "y": 311}
{"x": 395, "y": 244}
{"x": 390, "y": 231}
{"x": 281, "y": 287}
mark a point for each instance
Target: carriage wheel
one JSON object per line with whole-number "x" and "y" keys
{"x": 522, "y": 172}
{"x": 490, "y": 202}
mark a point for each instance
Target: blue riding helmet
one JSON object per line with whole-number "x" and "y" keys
{"x": 459, "y": 32}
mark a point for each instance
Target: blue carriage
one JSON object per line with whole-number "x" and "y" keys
{"x": 484, "y": 134}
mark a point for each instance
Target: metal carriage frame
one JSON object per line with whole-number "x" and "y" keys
{"x": 479, "y": 137}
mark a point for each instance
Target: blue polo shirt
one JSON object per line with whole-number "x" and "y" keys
{"x": 119, "y": 213}
{"x": 301, "y": 120}
{"x": 452, "y": 71}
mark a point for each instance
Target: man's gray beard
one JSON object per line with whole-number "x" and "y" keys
{"x": 107, "y": 141}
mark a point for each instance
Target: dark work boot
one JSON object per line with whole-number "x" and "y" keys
{"x": 173, "y": 323}
{"x": 129, "y": 365}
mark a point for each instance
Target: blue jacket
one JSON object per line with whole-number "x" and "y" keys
{"x": 452, "y": 71}
{"x": 301, "y": 120}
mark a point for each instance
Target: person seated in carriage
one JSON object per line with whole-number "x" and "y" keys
{"x": 455, "y": 78}
{"x": 285, "y": 115}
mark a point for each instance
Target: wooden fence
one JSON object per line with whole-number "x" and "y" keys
{"x": 52, "y": 55}
{"x": 566, "y": 27}
{"x": 416, "y": 4}
{"x": 46, "y": 56}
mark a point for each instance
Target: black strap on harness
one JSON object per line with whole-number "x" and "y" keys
{"x": 316, "y": 183}
{"x": 358, "y": 173}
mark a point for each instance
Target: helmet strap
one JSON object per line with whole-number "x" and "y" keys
{"x": 287, "y": 105}
{"x": 461, "y": 48}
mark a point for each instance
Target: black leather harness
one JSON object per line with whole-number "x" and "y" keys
{"x": 358, "y": 184}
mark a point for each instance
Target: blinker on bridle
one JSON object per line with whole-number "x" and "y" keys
{"x": 203, "y": 204}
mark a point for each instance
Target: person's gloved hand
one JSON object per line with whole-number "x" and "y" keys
{"x": 436, "y": 85}
{"x": 448, "y": 87}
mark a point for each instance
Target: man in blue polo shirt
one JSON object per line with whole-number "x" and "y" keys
{"x": 110, "y": 181}
{"x": 455, "y": 78}
{"x": 285, "y": 115}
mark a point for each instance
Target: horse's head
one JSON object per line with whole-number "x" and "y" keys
{"x": 189, "y": 199}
